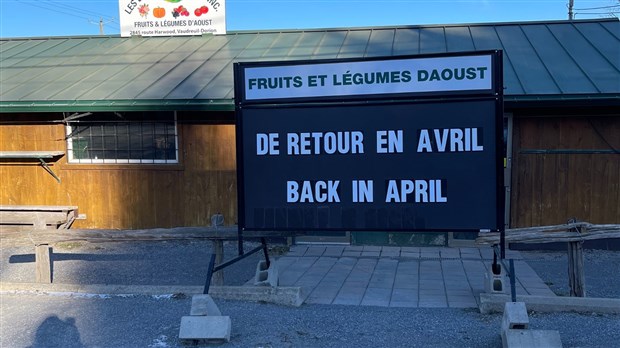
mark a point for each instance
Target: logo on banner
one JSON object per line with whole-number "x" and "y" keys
{"x": 172, "y": 17}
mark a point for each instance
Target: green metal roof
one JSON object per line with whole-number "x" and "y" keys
{"x": 543, "y": 61}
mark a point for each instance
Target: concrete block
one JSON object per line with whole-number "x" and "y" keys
{"x": 287, "y": 296}
{"x": 515, "y": 316}
{"x": 266, "y": 276}
{"x": 496, "y": 282}
{"x": 212, "y": 329}
{"x": 494, "y": 303}
{"x": 204, "y": 305}
{"x": 531, "y": 339}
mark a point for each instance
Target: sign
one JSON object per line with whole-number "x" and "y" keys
{"x": 172, "y": 17}
{"x": 444, "y": 74}
{"x": 412, "y": 155}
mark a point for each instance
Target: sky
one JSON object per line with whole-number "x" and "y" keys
{"x": 41, "y": 18}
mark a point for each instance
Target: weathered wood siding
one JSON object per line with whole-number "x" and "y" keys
{"x": 550, "y": 188}
{"x": 128, "y": 196}
{"x": 547, "y": 189}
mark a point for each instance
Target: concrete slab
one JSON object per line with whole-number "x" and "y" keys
{"x": 334, "y": 251}
{"x": 404, "y": 298}
{"x": 377, "y": 297}
{"x": 494, "y": 303}
{"x": 390, "y": 251}
{"x": 315, "y": 250}
{"x": 323, "y": 294}
{"x": 350, "y": 295}
{"x": 204, "y": 305}
{"x": 531, "y": 339}
{"x": 212, "y": 329}
{"x": 287, "y": 296}
{"x": 432, "y": 303}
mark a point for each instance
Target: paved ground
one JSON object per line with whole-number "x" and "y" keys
{"x": 347, "y": 275}
{"x": 398, "y": 277}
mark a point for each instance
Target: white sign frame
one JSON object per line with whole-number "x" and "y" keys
{"x": 163, "y": 18}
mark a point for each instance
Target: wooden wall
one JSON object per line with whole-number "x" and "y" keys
{"x": 547, "y": 188}
{"x": 128, "y": 196}
{"x": 550, "y": 188}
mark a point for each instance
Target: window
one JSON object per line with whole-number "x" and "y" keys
{"x": 119, "y": 138}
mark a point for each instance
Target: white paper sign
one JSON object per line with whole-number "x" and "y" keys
{"x": 172, "y": 17}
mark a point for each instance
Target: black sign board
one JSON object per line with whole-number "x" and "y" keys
{"x": 391, "y": 144}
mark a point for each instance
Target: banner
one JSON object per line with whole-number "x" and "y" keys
{"x": 172, "y": 17}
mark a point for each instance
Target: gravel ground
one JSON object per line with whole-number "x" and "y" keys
{"x": 142, "y": 263}
{"x": 602, "y": 271}
{"x": 70, "y": 320}
{"x": 147, "y": 321}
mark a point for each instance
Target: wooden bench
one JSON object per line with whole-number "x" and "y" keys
{"x": 37, "y": 216}
{"x": 28, "y": 218}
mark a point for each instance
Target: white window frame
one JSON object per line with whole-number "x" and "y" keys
{"x": 73, "y": 160}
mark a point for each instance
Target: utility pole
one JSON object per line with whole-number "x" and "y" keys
{"x": 570, "y": 9}
{"x": 101, "y": 24}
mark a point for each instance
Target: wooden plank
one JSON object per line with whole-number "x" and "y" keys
{"x": 217, "y": 278}
{"x": 30, "y": 154}
{"x": 579, "y": 172}
{"x": 576, "y": 271}
{"x": 556, "y": 233}
{"x": 46, "y": 236}
{"x": 64, "y": 208}
{"x": 43, "y": 263}
{"x": 29, "y": 217}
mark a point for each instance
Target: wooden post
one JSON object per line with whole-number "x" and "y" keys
{"x": 218, "y": 277}
{"x": 576, "y": 273}
{"x": 43, "y": 263}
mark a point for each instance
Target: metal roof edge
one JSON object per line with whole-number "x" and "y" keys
{"x": 117, "y": 105}
{"x": 420, "y": 26}
{"x": 511, "y": 101}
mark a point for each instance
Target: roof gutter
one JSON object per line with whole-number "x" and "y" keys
{"x": 560, "y": 100}
{"x": 117, "y": 105}
{"x": 510, "y": 102}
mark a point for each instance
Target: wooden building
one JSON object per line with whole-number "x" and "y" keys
{"x": 140, "y": 132}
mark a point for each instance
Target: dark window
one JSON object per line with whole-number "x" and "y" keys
{"x": 133, "y": 137}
